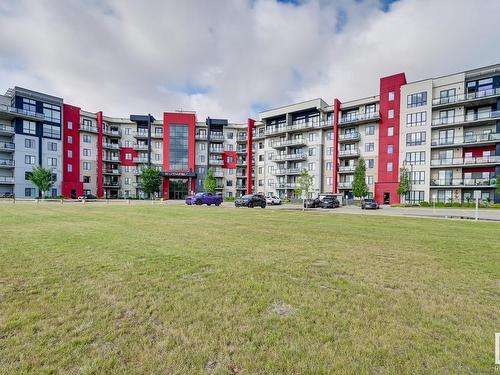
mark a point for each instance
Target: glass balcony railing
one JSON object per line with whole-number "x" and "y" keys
{"x": 466, "y": 161}
{"x": 347, "y": 153}
{"x": 7, "y": 163}
{"x": 466, "y": 97}
{"x": 457, "y": 120}
{"x": 353, "y": 136}
{"x": 358, "y": 117}
{"x": 22, "y": 112}
{"x": 468, "y": 139}
{"x": 465, "y": 182}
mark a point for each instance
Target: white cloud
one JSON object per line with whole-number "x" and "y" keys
{"x": 226, "y": 58}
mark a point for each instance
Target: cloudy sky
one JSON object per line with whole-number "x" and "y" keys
{"x": 233, "y": 58}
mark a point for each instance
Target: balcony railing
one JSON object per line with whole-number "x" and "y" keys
{"x": 22, "y": 112}
{"x": 347, "y": 168}
{"x": 297, "y": 156}
{"x": 359, "y": 117}
{"x": 113, "y": 159}
{"x": 217, "y": 150}
{"x": 468, "y": 139}
{"x": 354, "y": 136}
{"x": 242, "y": 138}
{"x": 215, "y": 161}
{"x": 288, "y": 142}
{"x": 241, "y": 151}
{"x": 8, "y": 146}
{"x": 7, "y": 163}
{"x": 140, "y": 134}
{"x": 466, "y": 161}
{"x": 241, "y": 162}
{"x": 140, "y": 159}
{"x": 7, "y": 180}
{"x": 115, "y": 171}
{"x": 140, "y": 146}
{"x": 459, "y": 98}
{"x": 88, "y": 128}
{"x": 111, "y": 132}
{"x": 347, "y": 153}
{"x": 472, "y": 182}
{"x": 200, "y": 136}
{"x": 241, "y": 187}
{"x": 463, "y": 119}
{"x": 7, "y": 129}
{"x": 288, "y": 185}
{"x": 218, "y": 174}
{"x": 156, "y": 134}
{"x": 217, "y": 136}
{"x": 284, "y": 171}
{"x": 111, "y": 184}
{"x": 113, "y": 146}
{"x": 345, "y": 185}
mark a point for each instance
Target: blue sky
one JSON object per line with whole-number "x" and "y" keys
{"x": 231, "y": 59}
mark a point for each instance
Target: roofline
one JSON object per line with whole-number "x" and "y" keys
{"x": 289, "y": 105}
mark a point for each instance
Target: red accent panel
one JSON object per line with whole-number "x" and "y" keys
{"x": 71, "y": 180}
{"x": 478, "y": 151}
{"x": 336, "y": 114}
{"x": 388, "y": 181}
{"x": 225, "y": 156}
{"x": 100, "y": 191}
{"x": 478, "y": 170}
{"x": 188, "y": 119}
{"x": 250, "y": 127}
{"x": 127, "y": 150}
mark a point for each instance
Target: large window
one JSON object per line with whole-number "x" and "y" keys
{"x": 415, "y": 139}
{"x": 414, "y": 196}
{"x": 415, "y": 158}
{"x": 417, "y": 177}
{"x": 52, "y": 113}
{"x": 51, "y": 131}
{"x": 178, "y": 144}
{"x": 29, "y": 105}
{"x": 29, "y": 127}
{"x": 416, "y": 119}
{"x": 417, "y": 100}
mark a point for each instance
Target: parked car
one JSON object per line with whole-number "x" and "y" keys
{"x": 7, "y": 195}
{"x": 251, "y": 200}
{"x": 312, "y": 203}
{"x": 86, "y": 197}
{"x": 369, "y": 204}
{"x": 204, "y": 198}
{"x": 330, "y": 202}
{"x": 272, "y": 200}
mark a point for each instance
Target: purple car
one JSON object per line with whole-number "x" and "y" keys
{"x": 204, "y": 198}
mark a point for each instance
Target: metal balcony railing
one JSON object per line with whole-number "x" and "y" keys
{"x": 344, "y": 153}
{"x": 465, "y": 182}
{"x": 7, "y": 129}
{"x": 111, "y": 132}
{"x": 140, "y": 146}
{"x": 113, "y": 146}
{"x": 88, "y": 128}
{"x": 296, "y": 156}
{"x": 358, "y": 117}
{"x": 468, "y": 139}
{"x": 7, "y": 163}
{"x": 288, "y": 142}
{"x": 7, "y": 180}
{"x": 354, "y": 136}
{"x": 466, "y": 161}
{"x": 345, "y": 185}
{"x": 10, "y": 146}
{"x": 215, "y": 161}
{"x": 19, "y": 111}
{"x": 347, "y": 168}
{"x": 464, "y": 119}
{"x": 459, "y": 98}
{"x": 284, "y": 171}
{"x": 140, "y": 159}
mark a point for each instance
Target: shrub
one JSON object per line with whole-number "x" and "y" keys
{"x": 425, "y": 204}
{"x": 229, "y": 199}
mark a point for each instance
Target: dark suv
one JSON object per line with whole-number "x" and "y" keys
{"x": 369, "y": 204}
{"x": 251, "y": 200}
{"x": 329, "y": 202}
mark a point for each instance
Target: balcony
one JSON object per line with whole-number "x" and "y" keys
{"x": 217, "y": 137}
{"x": 137, "y": 185}
{"x": 288, "y": 128}
{"x": 216, "y": 150}
{"x": 345, "y": 185}
{"x": 470, "y": 98}
{"x": 140, "y": 134}
{"x": 289, "y": 142}
{"x": 241, "y": 162}
{"x": 465, "y": 182}
{"x": 478, "y": 138}
{"x": 7, "y": 130}
{"x": 10, "y": 113}
{"x": 112, "y": 132}
{"x": 287, "y": 171}
{"x": 111, "y": 184}
{"x": 111, "y": 159}
{"x": 457, "y": 162}
{"x": 141, "y": 146}
{"x": 349, "y": 137}
{"x": 108, "y": 171}
{"x": 259, "y": 135}
{"x": 111, "y": 146}
{"x": 326, "y": 123}
{"x": 218, "y": 174}
{"x": 137, "y": 172}
{"x": 7, "y": 146}
{"x": 359, "y": 118}
{"x": 241, "y": 138}
{"x": 200, "y": 137}
{"x": 471, "y": 119}
{"x": 5, "y": 180}
{"x": 215, "y": 162}
{"x": 347, "y": 169}
{"x": 241, "y": 187}
{"x": 89, "y": 128}
{"x": 349, "y": 153}
{"x": 297, "y": 156}
{"x": 157, "y": 135}
{"x": 288, "y": 185}
{"x": 241, "y": 151}
{"x": 140, "y": 159}
{"x": 7, "y": 163}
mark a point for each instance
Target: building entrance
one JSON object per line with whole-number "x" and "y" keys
{"x": 178, "y": 188}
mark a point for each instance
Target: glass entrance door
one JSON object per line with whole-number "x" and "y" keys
{"x": 178, "y": 189}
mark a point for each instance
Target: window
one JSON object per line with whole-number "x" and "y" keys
{"x": 269, "y": 156}
{"x": 128, "y": 131}
{"x": 52, "y": 162}
{"x": 389, "y": 167}
{"x": 390, "y": 131}
{"x": 444, "y": 196}
{"x": 329, "y": 136}
{"x": 312, "y": 151}
{"x": 127, "y": 180}
{"x": 391, "y": 96}
{"x": 27, "y": 175}
{"x": 369, "y": 180}
{"x": 329, "y": 180}
{"x": 370, "y": 130}
{"x": 390, "y": 113}
{"x": 390, "y": 149}
{"x": 261, "y": 145}
{"x": 415, "y": 139}
{"x": 261, "y": 182}
{"x": 69, "y": 125}
{"x": 178, "y": 147}
{"x": 29, "y": 143}
{"x": 447, "y": 96}
{"x": 52, "y": 113}
{"x": 201, "y": 170}
{"x": 70, "y": 168}
{"x": 370, "y": 163}
{"x": 29, "y": 159}
{"x": 414, "y": 196}
{"x": 415, "y": 158}
{"x": 261, "y": 170}
{"x": 29, "y": 105}
{"x": 230, "y": 172}
{"x": 157, "y": 157}
{"x": 312, "y": 137}
{"x": 29, "y": 192}
{"x": 369, "y": 147}
{"x": 417, "y": 177}
{"x": 128, "y": 156}
{"x": 86, "y": 138}
{"x": 329, "y": 151}
{"x": 311, "y": 166}
{"x": 329, "y": 165}
{"x": 51, "y": 131}
{"x": 230, "y": 147}
{"x": 230, "y": 135}
{"x": 270, "y": 169}
{"x": 86, "y": 152}
{"x": 202, "y": 158}
{"x": 158, "y": 131}
{"x": 70, "y": 153}
{"x": 417, "y": 100}
{"x": 29, "y": 127}
{"x": 86, "y": 179}
{"x": 416, "y": 119}
{"x": 126, "y": 168}
{"x": 70, "y": 139}
{"x": 86, "y": 166}
{"x": 51, "y": 146}
{"x": 87, "y": 122}
{"x": 261, "y": 157}
{"x": 370, "y": 108}
{"x": 158, "y": 144}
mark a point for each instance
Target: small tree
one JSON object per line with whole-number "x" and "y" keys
{"x": 151, "y": 181}
{"x": 41, "y": 178}
{"x": 498, "y": 185}
{"x": 305, "y": 182}
{"x": 404, "y": 182}
{"x": 359, "y": 187}
{"x": 210, "y": 182}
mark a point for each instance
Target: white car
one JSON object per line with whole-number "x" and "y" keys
{"x": 273, "y": 200}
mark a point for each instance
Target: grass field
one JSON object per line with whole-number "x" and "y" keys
{"x": 189, "y": 290}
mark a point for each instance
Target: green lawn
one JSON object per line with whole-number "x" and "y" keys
{"x": 188, "y": 290}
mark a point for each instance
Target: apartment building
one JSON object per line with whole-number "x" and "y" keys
{"x": 444, "y": 131}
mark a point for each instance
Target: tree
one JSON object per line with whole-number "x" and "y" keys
{"x": 305, "y": 182}
{"x": 498, "y": 185}
{"x": 359, "y": 187}
{"x": 150, "y": 181}
{"x": 41, "y": 178}
{"x": 404, "y": 182}
{"x": 210, "y": 182}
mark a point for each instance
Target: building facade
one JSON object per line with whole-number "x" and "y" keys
{"x": 445, "y": 132}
